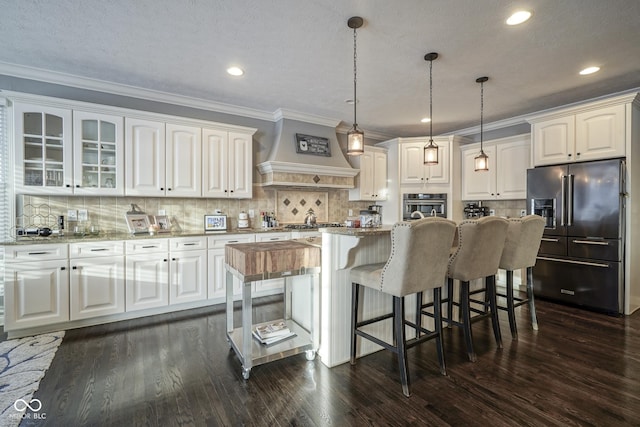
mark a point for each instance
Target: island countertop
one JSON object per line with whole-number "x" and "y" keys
{"x": 358, "y": 232}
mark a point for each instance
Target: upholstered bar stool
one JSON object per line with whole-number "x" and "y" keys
{"x": 476, "y": 256}
{"x": 520, "y": 250}
{"x": 418, "y": 262}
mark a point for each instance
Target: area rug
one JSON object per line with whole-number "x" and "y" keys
{"x": 23, "y": 363}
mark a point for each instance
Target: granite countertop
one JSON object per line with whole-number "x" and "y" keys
{"x": 358, "y": 232}
{"x": 70, "y": 238}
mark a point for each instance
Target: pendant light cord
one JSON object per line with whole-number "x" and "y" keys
{"x": 481, "y": 112}
{"x": 355, "y": 77}
{"x": 430, "y": 100}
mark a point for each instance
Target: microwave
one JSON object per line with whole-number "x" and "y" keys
{"x": 428, "y": 204}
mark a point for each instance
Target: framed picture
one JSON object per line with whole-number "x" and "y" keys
{"x": 138, "y": 223}
{"x": 316, "y": 145}
{"x": 163, "y": 223}
{"x": 215, "y": 222}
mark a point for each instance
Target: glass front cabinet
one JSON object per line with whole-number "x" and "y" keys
{"x": 43, "y": 149}
{"x": 98, "y": 154}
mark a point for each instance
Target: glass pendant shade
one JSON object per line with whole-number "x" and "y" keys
{"x": 431, "y": 153}
{"x": 355, "y": 141}
{"x": 481, "y": 162}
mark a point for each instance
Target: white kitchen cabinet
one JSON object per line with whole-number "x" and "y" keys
{"x": 413, "y": 171}
{"x": 183, "y": 161}
{"x": 36, "y": 285}
{"x": 188, "y": 270}
{"x": 43, "y": 149}
{"x": 145, "y": 159}
{"x": 592, "y": 134}
{"x": 371, "y": 182}
{"x": 506, "y": 179}
{"x": 96, "y": 283}
{"x": 216, "y": 271}
{"x": 228, "y": 164}
{"x": 147, "y": 274}
{"x": 98, "y": 154}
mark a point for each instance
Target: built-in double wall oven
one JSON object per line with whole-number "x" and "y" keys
{"x": 428, "y": 204}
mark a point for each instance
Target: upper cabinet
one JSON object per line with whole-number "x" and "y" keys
{"x": 593, "y": 133}
{"x": 371, "y": 182}
{"x": 98, "y": 154}
{"x": 413, "y": 171}
{"x": 43, "y": 149}
{"x": 145, "y": 168}
{"x": 506, "y": 179}
{"x": 183, "y": 173}
{"x": 228, "y": 161}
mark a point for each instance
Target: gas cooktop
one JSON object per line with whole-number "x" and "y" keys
{"x": 313, "y": 226}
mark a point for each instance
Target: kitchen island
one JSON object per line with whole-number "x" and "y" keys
{"x": 343, "y": 249}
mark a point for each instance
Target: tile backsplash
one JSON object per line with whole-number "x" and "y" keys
{"x": 187, "y": 214}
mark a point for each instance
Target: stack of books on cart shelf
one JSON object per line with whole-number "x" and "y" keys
{"x": 272, "y": 332}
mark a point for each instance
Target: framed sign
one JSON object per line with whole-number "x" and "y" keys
{"x": 316, "y": 145}
{"x": 215, "y": 222}
{"x": 138, "y": 223}
{"x": 163, "y": 223}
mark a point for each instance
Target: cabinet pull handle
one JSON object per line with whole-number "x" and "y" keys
{"x": 63, "y": 268}
{"x": 591, "y": 242}
{"x": 232, "y": 241}
{"x": 77, "y": 185}
{"x": 74, "y": 267}
{"x": 173, "y": 259}
{"x": 38, "y": 253}
{"x": 189, "y": 244}
{"x": 547, "y": 239}
{"x": 168, "y": 189}
{"x": 161, "y": 188}
{"x": 99, "y": 249}
{"x": 149, "y": 247}
{"x": 165, "y": 260}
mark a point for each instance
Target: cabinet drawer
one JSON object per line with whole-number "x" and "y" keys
{"x": 187, "y": 243}
{"x": 271, "y": 237}
{"x": 42, "y": 252}
{"x": 221, "y": 240}
{"x": 146, "y": 246}
{"x": 95, "y": 249}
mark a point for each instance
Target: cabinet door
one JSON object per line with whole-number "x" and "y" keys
{"x": 98, "y": 154}
{"x": 188, "y": 276}
{"x": 215, "y": 156}
{"x": 513, "y": 160}
{"x": 439, "y": 174}
{"x": 379, "y": 176}
{"x": 600, "y": 134}
{"x": 36, "y": 294}
{"x": 553, "y": 141}
{"x": 96, "y": 287}
{"x": 216, "y": 273}
{"x": 412, "y": 169}
{"x": 43, "y": 156}
{"x": 240, "y": 165}
{"x": 366, "y": 183}
{"x": 145, "y": 160}
{"x": 478, "y": 185}
{"x": 184, "y": 161}
{"x": 147, "y": 281}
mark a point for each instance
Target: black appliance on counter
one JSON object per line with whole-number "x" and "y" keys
{"x": 425, "y": 203}
{"x": 581, "y": 256}
{"x": 475, "y": 210}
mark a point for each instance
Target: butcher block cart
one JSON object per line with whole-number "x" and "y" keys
{"x": 286, "y": 259}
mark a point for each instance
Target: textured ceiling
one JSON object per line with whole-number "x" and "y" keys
{"x": 298, "y": 54}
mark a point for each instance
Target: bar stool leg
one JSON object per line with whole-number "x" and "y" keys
{"x": 450, "y": 302}
{"x": 493, "y": 304}
{"x": 418, "y": 314}
{"x": 401, "y": 343}
{"x": 511, "y": 310}
{"x": 437, "y": 318}
{"x": 355, "y": 293}
{"x": 466, "y": 319}
{"x": 532, "y": 305}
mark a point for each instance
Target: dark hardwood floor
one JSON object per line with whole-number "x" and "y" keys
{"x": 580, "y": 369}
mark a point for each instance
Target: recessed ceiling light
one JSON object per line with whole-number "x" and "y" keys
{"x": 519, "y": 17}
{"x": 425, "y": 120}
{"x": 589, "y": 70}
{"x": 235, "y": 71}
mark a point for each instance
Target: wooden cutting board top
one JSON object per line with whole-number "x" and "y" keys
{"x": 259, "y": 258}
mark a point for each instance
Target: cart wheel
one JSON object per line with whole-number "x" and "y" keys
{"x": 310, "y": 354}
{"x": 245, "y": 373}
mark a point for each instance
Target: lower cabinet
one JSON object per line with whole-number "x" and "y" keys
{"x": 96, "y": 279}
{"x": 188, "y": 270}
{"x": 216, "y": 272}
{"x": 36, "y": 294}
{"x": 147, "y": 274}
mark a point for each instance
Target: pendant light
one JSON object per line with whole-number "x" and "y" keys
{"x": 431, "y": 149}
{"x": 481, "y": 161}
{"x": 355, "y": 137}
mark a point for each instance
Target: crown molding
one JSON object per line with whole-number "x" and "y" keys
{"x": 283, "y": 113}
{"x": 343, "y": 128}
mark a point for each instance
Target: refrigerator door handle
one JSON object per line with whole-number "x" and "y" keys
{"x": 570, "y": 201}
{"x": 563, "y": 188}
{"x": 591, "y": 242}
{"x": 548, "y": 239}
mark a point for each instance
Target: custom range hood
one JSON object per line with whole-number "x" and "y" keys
{"x": 306, "y": 155}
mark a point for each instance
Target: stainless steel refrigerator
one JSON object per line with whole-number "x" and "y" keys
{"x": 581, "y": 257}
